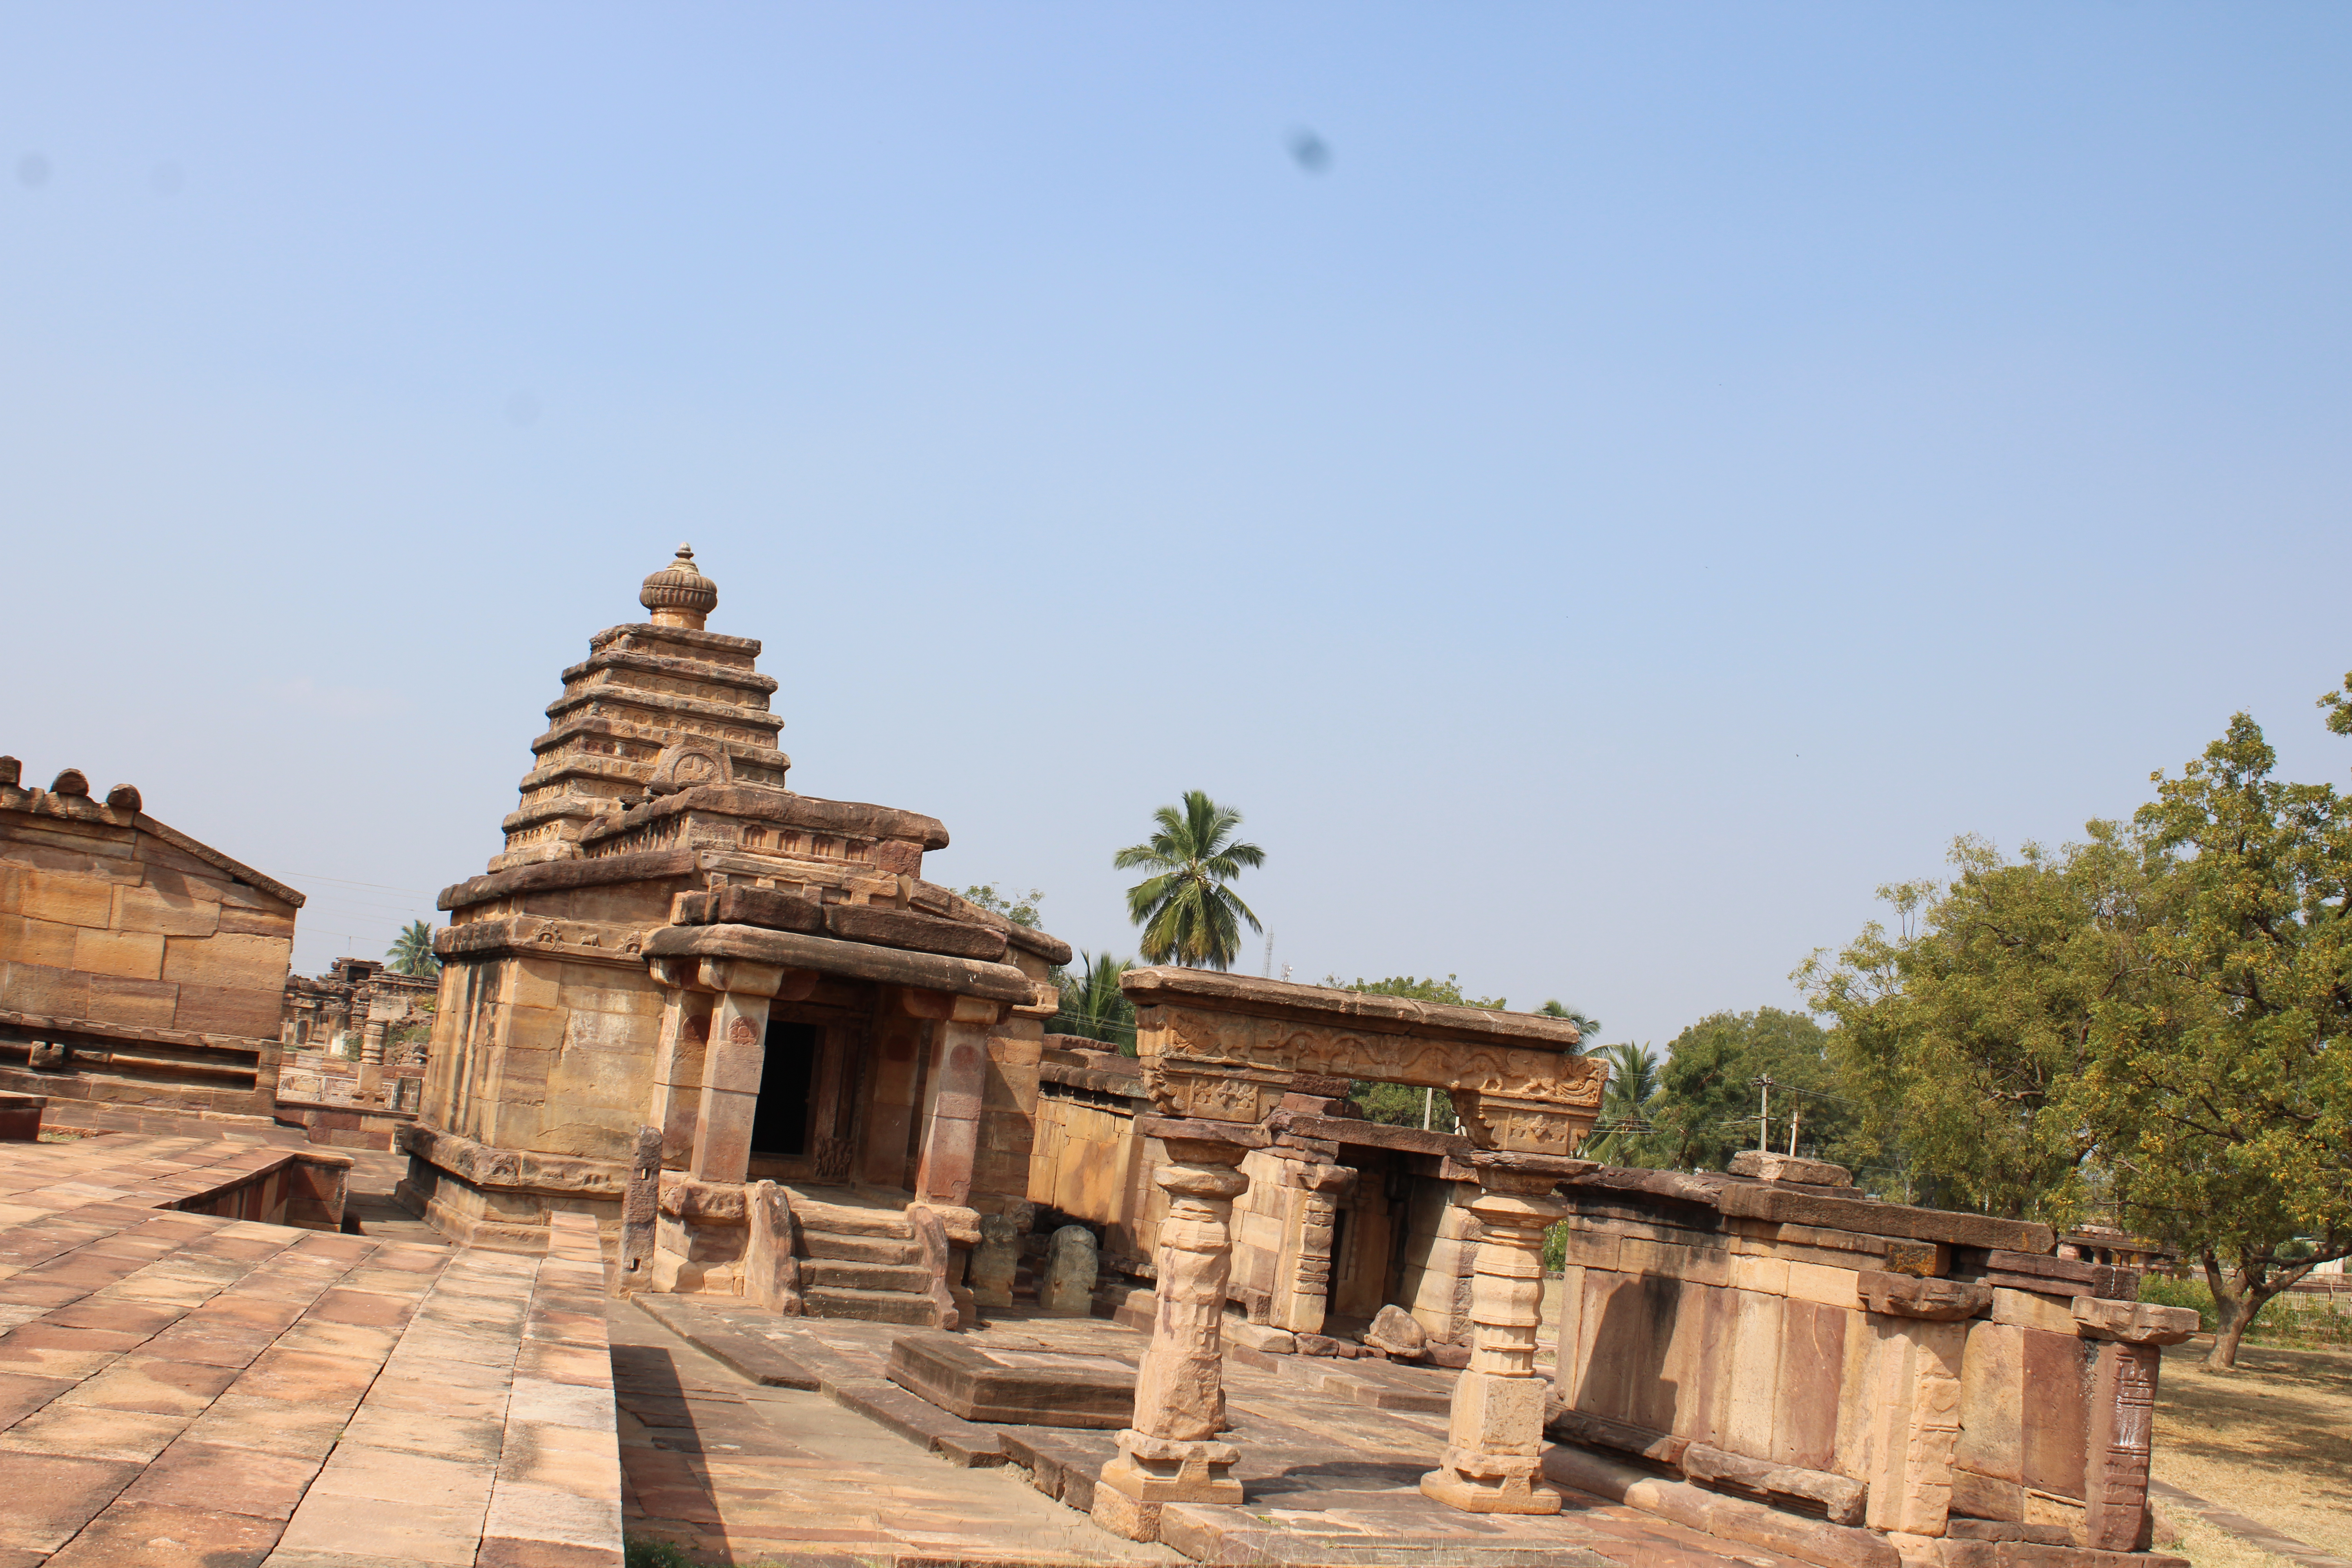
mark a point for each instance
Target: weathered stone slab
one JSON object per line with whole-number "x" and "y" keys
{"x": 1023, "y": 1387}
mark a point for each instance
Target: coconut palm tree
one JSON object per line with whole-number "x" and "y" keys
{"x": 1626, "y": 1103}
{"x": 412, "y": 951}
{"x": 1188, "y": 915}
{"x": 1092, "y": 1005}
{"x": 1588, "y": 1027}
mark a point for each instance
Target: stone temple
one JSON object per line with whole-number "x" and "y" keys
{"x": 801, "y": 1105}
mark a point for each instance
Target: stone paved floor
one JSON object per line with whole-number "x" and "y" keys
{"x": 1329, "y": 1477}
{"x": 738, "y": 1473}
{"x": 181, "y": 1389}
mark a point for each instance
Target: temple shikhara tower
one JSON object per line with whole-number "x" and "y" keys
{"x": 672, "y": 939}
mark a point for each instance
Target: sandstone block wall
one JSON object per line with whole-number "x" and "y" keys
{"x": 1898, "y": 1368}
{"x": 159, "y": 959}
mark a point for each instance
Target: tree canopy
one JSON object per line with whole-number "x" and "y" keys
{"x": 1705, "y": 1106}
{"x": 1021, "y": 908}
{"x": 1188, "y": 915}
{"x": 2152, "y": 1026}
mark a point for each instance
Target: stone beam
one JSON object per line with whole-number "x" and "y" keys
{"x": 1225, "y": 1047}
{"x": 857, "y": 961}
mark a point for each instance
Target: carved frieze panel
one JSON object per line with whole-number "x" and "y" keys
{"x": 1202, "y": 1061}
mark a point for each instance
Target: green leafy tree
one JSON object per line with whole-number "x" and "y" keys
{"x": 2157, "y": 1022}
{"x": 1705, "y": 1106}
{"x": 412, "y": 951}
{"x": 1962, "y": 1031}
{"x": 1188, "y": 915}
{"x": 1397, "y": 1104}
{"x": 1092, "y": 1003}
{"x": 2220, "y": 1086}
{"x": 1021, "y": 908}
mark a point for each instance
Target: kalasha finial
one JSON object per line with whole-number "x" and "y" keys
{"x": 677, "y": 594}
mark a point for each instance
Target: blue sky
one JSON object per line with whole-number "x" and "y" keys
{"x": 1672, "y": 469}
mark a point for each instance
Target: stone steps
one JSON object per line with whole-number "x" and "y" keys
{"x": 817, "y": 1244}
{"x": 869, "y": 1306}
{"x": 860, "y": 1260}
{"x": 829, "y": 1273}
{"x": 841, "y": 1219}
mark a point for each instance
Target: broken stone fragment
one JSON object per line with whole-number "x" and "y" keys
{"x": 1908, "y": 1296}
{"x": 2133, "y": 1323}
{"x": 1768, "y": 1167}
{"x": 1396, "y": 1332}
{"x": 995, "y": 1260}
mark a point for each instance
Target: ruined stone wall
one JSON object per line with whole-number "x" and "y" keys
{"x": 1896, "y": 1368}
{"x": 135, "y": 964}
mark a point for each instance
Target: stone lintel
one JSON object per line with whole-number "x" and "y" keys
{"x": 1344, "y": 1131}
{"x": 1195, "y": 1129}
{"x": 648, "y": 866}
{"x": 530, "y": 936}
{"x": 849, "y": 818}
{"x": 856, "y": 961}
{"x": 1352, "y": 1012}
{"x": 1225, "y": 1047}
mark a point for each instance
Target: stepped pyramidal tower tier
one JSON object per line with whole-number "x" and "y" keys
{"x": 654, "y": 708}
{"x": 680, "y": 971}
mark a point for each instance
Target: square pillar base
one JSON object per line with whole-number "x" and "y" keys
{"x": 1490, "y": 1483}
{"x": 1165, "y": 1469}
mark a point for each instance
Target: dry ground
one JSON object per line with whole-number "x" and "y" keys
{"x": 2272, "y": 1440}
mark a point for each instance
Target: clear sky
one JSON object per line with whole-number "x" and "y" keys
{"x": 1657, "y": 473}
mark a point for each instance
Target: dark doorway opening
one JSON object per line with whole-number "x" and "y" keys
{"x": 779, "y": 1124}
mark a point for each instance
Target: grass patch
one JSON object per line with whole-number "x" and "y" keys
{"x": 2285, "y": 1320}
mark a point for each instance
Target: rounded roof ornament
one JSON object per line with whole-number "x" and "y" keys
{"x": 677, "y": 594}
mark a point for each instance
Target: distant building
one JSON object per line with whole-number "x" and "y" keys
{"x": 138, "y": 967}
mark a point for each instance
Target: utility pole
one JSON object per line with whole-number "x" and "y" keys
{"x": 1428, "y": 1107}
{"x": 1793, "y": 1115}
{"x": 1269, "y": 953}
{"x": 1764, "y": 1116}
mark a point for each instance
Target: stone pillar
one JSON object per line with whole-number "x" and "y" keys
{"x": 1494, "y": 1448}
{"x": 371, "y": 1042}
{"x": 730, "y": 1068}
{"x": 677, "y": 1065}
{"x": 952, "y": 1097}
{"x": 1305, "y": 1297}
{"x": 1171, "y": 1453}
{"x": 2123, "y": 1401}
{"x": 2114, "y": 1472}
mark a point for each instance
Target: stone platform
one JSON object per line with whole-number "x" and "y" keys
{"x": 1330, "y": 1468}
{"x": 181, "y": 1387}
